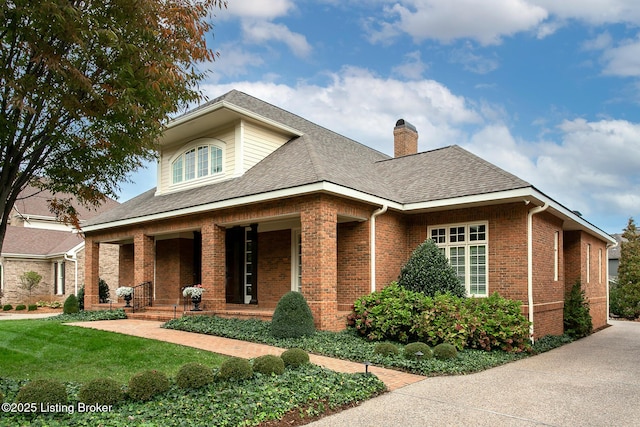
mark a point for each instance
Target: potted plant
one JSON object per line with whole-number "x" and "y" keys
{"x": 125, "y": 292}
{"x": 195, "y": 292}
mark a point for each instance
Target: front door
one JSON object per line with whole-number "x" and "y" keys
{"x": 241, "y": 263}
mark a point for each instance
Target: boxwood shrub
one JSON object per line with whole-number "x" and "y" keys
{"x": 292, "y": 317}
{"x": 268, "y": 364}
{"x": 411, "y": 349}
{"x": 7, "y": 307}
{"x": 194, "y": 375}
{"x": 294, "y": 357}
{"x": 101, "y": 391}
{"x": 21, "y": 307}
{"x": 445, "y": 351}
{"x": 235, "y": 368}
{"x": 145, "y": 385}
{"x": 45, "y": 391}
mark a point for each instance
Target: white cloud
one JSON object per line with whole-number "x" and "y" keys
{"x": 486, "y": 21}
{"x": 266, "y": 10}
{"x": 412, "y": 68}
{"x": 365, "y": 107}
{"x": 260, "y": 32}
{"x": 479, "y": 64}
{"x": 594, "y": 12}
{"x": 600, "y": 42}
{"x": 623, "y": 60}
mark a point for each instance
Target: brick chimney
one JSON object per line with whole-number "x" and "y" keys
{"x": 405, "y": 139}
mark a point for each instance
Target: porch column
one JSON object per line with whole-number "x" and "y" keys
{"x": 213, "y": 267}
{"x": 91, "y": 272}
{"x": 319, "y": 262}
{"x": 143, "y": 258}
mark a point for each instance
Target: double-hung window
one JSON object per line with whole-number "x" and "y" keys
{"x": 466, "y": 247}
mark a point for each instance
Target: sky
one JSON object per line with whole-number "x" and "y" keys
{"x": 547, "y": 90}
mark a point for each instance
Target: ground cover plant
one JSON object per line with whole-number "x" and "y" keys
{"x": 350, "y": 346}
{"x": 304, "y": 392}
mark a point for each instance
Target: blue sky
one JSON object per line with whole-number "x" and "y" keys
{"x": 548, "y": 90}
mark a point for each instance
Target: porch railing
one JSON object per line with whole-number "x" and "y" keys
{"x": 141, "y": 296}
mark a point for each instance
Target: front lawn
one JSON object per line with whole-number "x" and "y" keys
{"x": 36, "y": 349}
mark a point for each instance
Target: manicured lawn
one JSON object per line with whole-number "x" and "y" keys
{"x": 43, "y": 349}
{"x": 34, "y": 349}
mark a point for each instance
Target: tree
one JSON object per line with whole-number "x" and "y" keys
{"x": 86, "y": 88}
{"x": 29, "y": 280}
{"x": 625, "y": 295}
{"x": 428, "y": 271}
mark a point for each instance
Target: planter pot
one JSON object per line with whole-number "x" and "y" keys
{"x": 196, "y": 303}
{"x": 127, "y": 299}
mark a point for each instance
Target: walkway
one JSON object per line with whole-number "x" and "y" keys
{"x": 230, "y": 347}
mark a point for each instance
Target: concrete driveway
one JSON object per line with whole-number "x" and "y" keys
{"x": 592, "y": 382}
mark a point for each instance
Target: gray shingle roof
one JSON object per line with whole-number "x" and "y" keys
{"x": 38, "y": 242}
{"x": 321, "y": 155}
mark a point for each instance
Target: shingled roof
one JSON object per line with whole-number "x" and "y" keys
{"x": 321, "y": 155}
{"x": 36, "y": 242}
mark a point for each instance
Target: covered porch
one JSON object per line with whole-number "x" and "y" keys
{"x": 245, "y": 264}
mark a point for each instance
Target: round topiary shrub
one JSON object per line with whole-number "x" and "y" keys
{"x": 428, "y": 271}
{"x": 268, "y": 364}
{"x": 21, "y": 307}
{"x": 70, "y": 305}
{"x": 292, "y": 317}
{"x": 386, "y": 349}
{"x": 7, "y": 307}
{"x": 32, "y": 307}
{"x": 194, "y": 375}
{"x": 48, "y": 392}
{"x": 145, "y": 385}
{"x": 445, "y": 351}
{"x": 235, "y": 368}
{"x": 411, "y": 349}
{"x": 294, "y": 357}
{"x": 101, "y": 391}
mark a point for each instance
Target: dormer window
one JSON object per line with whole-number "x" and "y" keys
{"x": 197, "y": 162}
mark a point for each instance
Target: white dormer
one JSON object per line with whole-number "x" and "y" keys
{"x": 215, "y": 143}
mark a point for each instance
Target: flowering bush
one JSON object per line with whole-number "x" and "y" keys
{"x": 124, "y": 291}
{"x": 193, "y": 291}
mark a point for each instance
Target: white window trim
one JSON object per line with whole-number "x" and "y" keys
{"x": 588, "y": 262}
{"x": 556, "y": 255}
{"x": 193, "y": 145}
{"x": 296, "y": 281}
{"x": 467, "y": 243}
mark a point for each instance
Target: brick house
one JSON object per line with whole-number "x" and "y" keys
{"x": 36, "y": 241}
{"x": 253, "y": 201}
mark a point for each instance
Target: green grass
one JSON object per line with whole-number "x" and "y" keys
{"x": 32, "y": 349}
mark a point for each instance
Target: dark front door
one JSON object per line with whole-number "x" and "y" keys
{"x": 241, "y": 265}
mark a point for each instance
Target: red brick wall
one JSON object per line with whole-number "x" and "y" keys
{"x": 174, "y": 269}
{"x": 125, "y": 277}
{"x": 548, "y": 294}
{"x": 274, "y": 266}
{"x": 354, "y": 266}
{"x": 575, "y": 246}
{"x": 391, "y": 247}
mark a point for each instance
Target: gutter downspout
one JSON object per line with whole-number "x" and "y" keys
{"x": 75, "y": 273}
{"x": 609, "y": 245}
{"x": 530, "y": 215}
{"x": 372, "y": 243}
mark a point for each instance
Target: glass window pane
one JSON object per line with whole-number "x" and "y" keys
{"x": 456, "y": 234}
{"x": 190, "y": 165}
{"x": 203, "y": 161}
{"x": 216, "y": 160}
{"x": 477, "y": 232}
{"x": 478, "y": 269}
{"x": 457, "y": 261}
{"x": 438, "y": 235}
{"x": 177, "y": 170}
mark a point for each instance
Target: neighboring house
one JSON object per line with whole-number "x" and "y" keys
{"x": 614, "y": 256}
{"x": 36, "y": 241}
{"x": 253, "y": 201}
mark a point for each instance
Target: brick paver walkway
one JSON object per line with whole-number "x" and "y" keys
{"x": 230, "y": 347}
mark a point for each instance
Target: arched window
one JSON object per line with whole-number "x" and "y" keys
{"x": 197, "y": 162}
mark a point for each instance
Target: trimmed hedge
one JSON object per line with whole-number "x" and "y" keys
{"x": 235, "y": 368}
{"x": 71, "y": 305}
{"x": 194, "y": 375}
{"x": 268, "y": 364}
{"x": 398, "y": 314}
{"x": 47, "y": 392}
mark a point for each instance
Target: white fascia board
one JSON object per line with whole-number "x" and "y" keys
{"x": 525, "y": 195}
{"x": 26, "y": 256}
{"x": 320, "y": 187}
{"x": 232, "y": 107}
